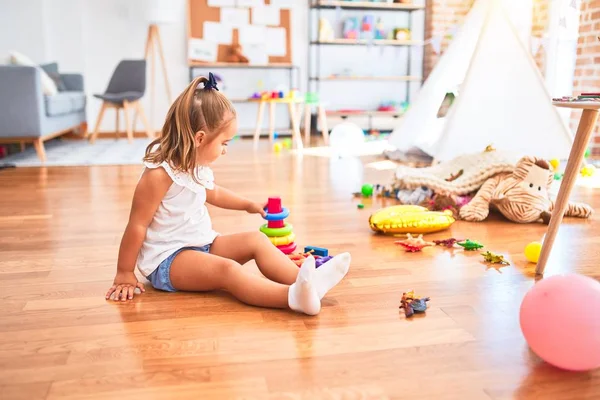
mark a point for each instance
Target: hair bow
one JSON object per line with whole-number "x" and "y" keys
{"x": 212, "y": 82}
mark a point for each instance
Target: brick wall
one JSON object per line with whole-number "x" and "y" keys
{"x": 587, "y": 67}
{"x": 538, "y": 28}
{"x": 441, "y": 15}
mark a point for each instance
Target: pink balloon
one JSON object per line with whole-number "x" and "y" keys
{"x": 560, "y": 319}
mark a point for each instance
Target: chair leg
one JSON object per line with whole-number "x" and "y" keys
{"x": 39, "y": 149}
{"x": 98, "y": 122}
{"x": 142, "y": 114}
{"x": 127, "y": 126}
{"x": 117, "y": 127}
{"x": 83, "y": 129}
{"x": 22, "y": 146}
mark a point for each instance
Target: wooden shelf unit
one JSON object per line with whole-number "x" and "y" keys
{"x": 365, "y": 42}
{"x": 316, "y": 7}
{"x": 365, "y": 5}
{"x": 367, "y": 78}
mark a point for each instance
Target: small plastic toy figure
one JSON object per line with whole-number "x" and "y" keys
{"x": 494, "y": 258}
{"x": 412, "y": 244}
{"x": 447, "y": 242}
{"x": 470, "y": 245}
{"x": 412, "y": 304}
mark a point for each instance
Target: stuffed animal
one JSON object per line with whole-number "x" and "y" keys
{"x": 235, "y": 54}
{"x": 521, "y": 196}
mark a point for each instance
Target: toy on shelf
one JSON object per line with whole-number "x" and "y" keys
{"x": 379, "y": 30}
{"x": 367, "y": 27}
{"x": 493, "y": 258}
{"x": 402, "y": 34}
{"x": 279, "y": 232}
{"x": 235, "y": 54}
{"x": 412, "y": 244}
{"x": 470, "y": 245}
{"x": 351, "y": 28}
{"x": 325, "y": 30}
{"x": 413, "y": 304}
{"x": 410, "y": 219}
{"x": 388, "y": 106}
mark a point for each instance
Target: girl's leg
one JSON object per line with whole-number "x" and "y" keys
{"x": 243, "y": 247}
{"x": 246, "y": 246}
{"x": 197, "y": 271}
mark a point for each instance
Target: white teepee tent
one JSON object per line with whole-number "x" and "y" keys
{"x": 502, "y": 99}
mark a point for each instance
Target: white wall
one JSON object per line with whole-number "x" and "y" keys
{"x": 91, "y": 37}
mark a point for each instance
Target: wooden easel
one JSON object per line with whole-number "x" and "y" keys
{"x": 154, "y": 45}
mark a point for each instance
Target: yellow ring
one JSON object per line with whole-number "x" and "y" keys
{"x": 283, "y": 240}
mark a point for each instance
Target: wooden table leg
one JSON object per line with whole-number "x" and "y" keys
{"x": 323, "y": 122}
{"x": 271, "y": 122}
{"x": 259, "y": 117}
{"x": 307, "y": 118}
{"x": 582, "y": 138}
{"x": 296, "y": 136}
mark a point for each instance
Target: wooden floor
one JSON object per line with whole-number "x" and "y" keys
{"x": 60, "y": 230}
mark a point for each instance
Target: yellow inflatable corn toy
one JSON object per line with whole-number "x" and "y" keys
{"x": 410, "y": 219}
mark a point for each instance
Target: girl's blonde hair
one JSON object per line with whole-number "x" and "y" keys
{"x": 196, "y": 109}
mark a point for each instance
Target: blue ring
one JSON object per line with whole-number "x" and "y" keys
{"x": 278, "y": 216}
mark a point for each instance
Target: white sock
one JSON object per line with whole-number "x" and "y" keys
{"x": 331, "y": 273}
{"x": 302, "y": 295}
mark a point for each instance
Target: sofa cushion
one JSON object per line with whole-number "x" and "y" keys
{"x": 64, "y": 103}
{"x": 48, "y": 85}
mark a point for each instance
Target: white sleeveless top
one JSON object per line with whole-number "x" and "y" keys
{"x": 181, "y": 219}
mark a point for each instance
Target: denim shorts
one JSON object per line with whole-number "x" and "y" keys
{"x": 161, "y": 277}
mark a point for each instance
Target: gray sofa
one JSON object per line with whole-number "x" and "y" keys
{"x": 29, "y": 116}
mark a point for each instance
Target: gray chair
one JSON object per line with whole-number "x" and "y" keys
{"x": 125, "y": 89}
{"x": 27, "y": 115}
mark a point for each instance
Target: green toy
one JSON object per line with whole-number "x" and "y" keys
{"x": 588, "y": 153}
{"x": 494, "y": 258}
{"x": 558, "y": 176}
{"x": 470, "y": 245}
{"x": 367, "y": 190}
{"x": 360, "y": 206}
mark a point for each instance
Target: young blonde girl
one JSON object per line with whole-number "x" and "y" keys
{"x": 169, "y": 236}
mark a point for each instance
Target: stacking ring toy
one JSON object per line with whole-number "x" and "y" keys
{"x": 277, "y": 216}
{"x": 287, "y": 249}
{"x": 283, "y": 240}
{"x": 270, "y": 232}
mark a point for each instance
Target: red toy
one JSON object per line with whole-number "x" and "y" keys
{"x": 412, "y": 244}
{"x": 276, "y": 226}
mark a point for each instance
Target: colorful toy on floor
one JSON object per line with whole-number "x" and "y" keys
{"x": 409, "y": 219}
{"x": 413, "y": 304}
{"x": 316, "y": 251}
{"x": 588, "y": 170}
{"x": 560, "y": 320}
{"x": 367, "y": 190}
{"x": 277, "y": 147}
{"x": 533, "y": 251}
{"x": 493, "y": 258}
{"x": 360, "y": 206}
{"x": 298, "y": 258}
{"x": 414, "y": 244}
{"x": 555, "y": 164}
{"x": 447, "y": 242}
{"x": 470, "y": 245}
{"x": 279, "y": 232}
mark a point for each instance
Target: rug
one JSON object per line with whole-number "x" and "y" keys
{"x": 62, "y": 153}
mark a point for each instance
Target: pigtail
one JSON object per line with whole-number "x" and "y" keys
{"x": 200, "y": 107}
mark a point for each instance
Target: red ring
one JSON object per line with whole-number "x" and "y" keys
{"x": 288, "y": 248}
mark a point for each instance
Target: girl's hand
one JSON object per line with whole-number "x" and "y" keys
{"x": 124, "y": 286}
{"x": 257, "y": 208}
